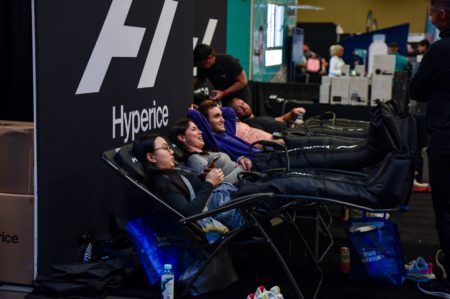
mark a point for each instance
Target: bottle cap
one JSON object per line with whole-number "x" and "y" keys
{"x": 167, "y": 266}
{"x": 380, "y": 37}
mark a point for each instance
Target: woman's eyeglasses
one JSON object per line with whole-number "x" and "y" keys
{"x": 163, "y": 147}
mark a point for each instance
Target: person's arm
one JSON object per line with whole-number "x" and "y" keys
{"x": 229, "y": 115}
{"x": 422, "y": 84}
{"x": 240, "y": 82}
{"x": 197, "y": 162}
{"x": 291, "y": 114}
{"x": 245, "y": 162}
{"x": 173, "y": 196}
{"x": 250, "y": 135}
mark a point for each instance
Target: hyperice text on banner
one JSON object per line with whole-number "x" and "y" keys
{"x": 126, "y": 124}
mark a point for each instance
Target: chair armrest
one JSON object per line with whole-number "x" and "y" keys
{"x": 233, "y": 204}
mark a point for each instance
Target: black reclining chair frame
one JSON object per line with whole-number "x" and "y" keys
{"x": 246, "y": 204}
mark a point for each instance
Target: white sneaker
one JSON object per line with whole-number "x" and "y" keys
{"x": 439, "y": 257}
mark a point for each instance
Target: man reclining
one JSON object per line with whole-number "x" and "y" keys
{"x": 266, "y": 123}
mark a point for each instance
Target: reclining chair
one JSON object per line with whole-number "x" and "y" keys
{"x": 319, "y": 125}
{"x": 129, "y": 167}
{"x": 391, "y": 131}
{"x": 386, "y": 189}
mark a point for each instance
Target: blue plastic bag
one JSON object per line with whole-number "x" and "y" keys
{"x": 375, "y": 251}
{"x": 155, "y": 248}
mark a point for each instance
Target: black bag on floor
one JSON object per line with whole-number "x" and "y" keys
{"x": 101, "y": 266}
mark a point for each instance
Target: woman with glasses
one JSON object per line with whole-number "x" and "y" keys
{"x": 185, "y": 192}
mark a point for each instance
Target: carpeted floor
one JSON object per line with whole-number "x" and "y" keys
{"x": 256, "y": 265}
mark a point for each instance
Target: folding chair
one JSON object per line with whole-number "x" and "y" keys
{"x": 128, "y": 166}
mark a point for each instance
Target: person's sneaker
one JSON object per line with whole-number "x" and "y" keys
{"x": 436, "y": 288}
{"x": 419, "y": 270}
{"x": 421, "y": 187}
{"x": 439, "y": 260}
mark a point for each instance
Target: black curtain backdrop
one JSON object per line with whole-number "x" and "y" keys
{"x": 16, "y": 60}
{"x": 77, "y": 191}
{"x": 327, "y": 33}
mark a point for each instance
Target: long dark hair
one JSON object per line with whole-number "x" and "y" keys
{"x": 179, "y": 128}
{"x": 146, "y": 144}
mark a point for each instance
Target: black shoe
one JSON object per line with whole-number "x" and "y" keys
{"x": 436, "y": 288}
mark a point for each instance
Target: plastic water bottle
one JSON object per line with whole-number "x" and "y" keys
{"x": 377, "y": 47}
{"x": 299, "y": 120}
{"x": 167, "y": 282}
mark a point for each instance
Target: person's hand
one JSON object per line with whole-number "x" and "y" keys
{"x": 298, "y": 110}
{"x": 246, "y": 163}
{"x": 218, "y": 95}
{"x": 215, "y": 177}
{"x": 193, "y": 107}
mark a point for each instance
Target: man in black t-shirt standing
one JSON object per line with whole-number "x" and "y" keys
{"x": 224, "y": 71}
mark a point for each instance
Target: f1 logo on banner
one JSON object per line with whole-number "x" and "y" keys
{"x": 118, "y": 40}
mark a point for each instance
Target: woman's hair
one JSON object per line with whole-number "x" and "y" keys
{"x": 334, "y": 49}
{"x": 143, "y": 145}
{"x": 146, "y": 144}
{"x": 179, "y": 128}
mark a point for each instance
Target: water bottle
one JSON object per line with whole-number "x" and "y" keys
{"x": 167, "y": 282}
{"x": 377, "y": 47}
{"x": 299, "y": 120}
{"x": 87, "y": 247}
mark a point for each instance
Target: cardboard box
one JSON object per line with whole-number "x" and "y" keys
{"x": 16, "y": 157}
{"x": 16, "y": 238}
{"x": 381, "y": 89}
{"x": 340, "y": 90}
{"x": 324, "y": 97}
{"x": 359, "y": 91}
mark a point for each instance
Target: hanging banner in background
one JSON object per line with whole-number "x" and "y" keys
{"x": 210, "y": 27}
{"x": 106, "y": 71}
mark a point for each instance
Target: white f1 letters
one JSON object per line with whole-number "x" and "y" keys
{"x": 118, "y": 40}
{"x": 156, "y": 52}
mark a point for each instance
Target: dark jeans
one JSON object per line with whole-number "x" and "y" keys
{"x": 439, "y": 163}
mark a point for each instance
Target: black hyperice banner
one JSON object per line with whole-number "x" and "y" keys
{"x": 210, "y": 23}
{"x": 106, "y": 70}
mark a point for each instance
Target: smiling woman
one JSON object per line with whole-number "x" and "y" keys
{"x": 186, "y": 135}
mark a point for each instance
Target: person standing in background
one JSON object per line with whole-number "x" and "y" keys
{"x": 401, "y": 62}
{"x": 225, "y": 73}
{"x": 423, "y": 46}
{"x": 336, "y": 61}
{"x": 431, "y": 84}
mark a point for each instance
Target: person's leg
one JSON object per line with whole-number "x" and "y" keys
{"x": 439, "y": 163}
